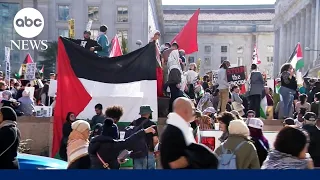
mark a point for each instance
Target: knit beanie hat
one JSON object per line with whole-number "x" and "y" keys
{"x": 8, "y": 113}
{"x": 80, "y": 126}
{"x": 110, "y": 129}
{"x": 238, "y": 127}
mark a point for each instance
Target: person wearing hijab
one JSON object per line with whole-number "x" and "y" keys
{"x": 66, "y": 130}
{"x": 154, "y": 37}
{"x": 78, "y": 143}
{"x": 9, "y": 139}
{"x": 27, "y": 104}
{"x": 105, "y": 148}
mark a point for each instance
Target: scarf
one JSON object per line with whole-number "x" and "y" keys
{"x": 77, "y": 146}
{"x": 175, "y": 120}
{"x": 8, "y": 123}
{"x": 279, "y": 160}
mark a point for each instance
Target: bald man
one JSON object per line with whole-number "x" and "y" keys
{"x": 177, "y": 135}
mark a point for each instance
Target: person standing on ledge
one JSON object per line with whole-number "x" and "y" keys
{"x": 103, "y": 41}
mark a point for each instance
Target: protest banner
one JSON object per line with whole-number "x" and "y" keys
{"x": 7, "y": 61}
{"x": 71, "y": 28}
{"x": 31, "y": 69}
{"x": 52, "y": 88}
{"x": 236, "y": 75}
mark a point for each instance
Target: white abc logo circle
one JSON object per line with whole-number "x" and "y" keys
{"x": 28, "y": 22}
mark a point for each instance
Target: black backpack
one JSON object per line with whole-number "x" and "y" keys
{"x": 140, "y": 148}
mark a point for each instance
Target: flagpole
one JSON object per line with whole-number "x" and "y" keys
{"x": 292, "y": 55}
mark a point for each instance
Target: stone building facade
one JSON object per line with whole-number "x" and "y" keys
{"x": 226, "y": 32}
{"x": 297, "y": 21}
{"x": 132, "y": 18}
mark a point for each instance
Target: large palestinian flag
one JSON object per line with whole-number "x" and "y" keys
{"x": 85, "y": 79}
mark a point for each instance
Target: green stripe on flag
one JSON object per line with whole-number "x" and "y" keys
{"x": 263, "y": 107}
{"x": 300, "y": 64}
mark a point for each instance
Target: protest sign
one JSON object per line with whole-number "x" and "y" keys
{"x": 214, "y": 76}
{"x": 31, "y": 90}
{"x": 52, "y": 88}
{"x": 31, "y": 71}
{"x": 43, "y": 111}
{"x": 7, "y": 61}
{"x": 236, "y": 75}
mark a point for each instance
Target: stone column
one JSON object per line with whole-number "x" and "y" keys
{"x": 288, "y": 36}
{"x": 307, "y": 34}
{"x": 302, "y": 28}
{"x": 312, "y": 39}
{"x": 292, "y": 40}
{"x": 298, "y": 24}
{"x": 282, "y": 44}
{"x": 277, "y": 52}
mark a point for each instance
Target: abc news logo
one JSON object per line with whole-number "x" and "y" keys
{"x": 28, "y": 23}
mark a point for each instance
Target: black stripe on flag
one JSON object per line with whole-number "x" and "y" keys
{"x": 136, "y": 66}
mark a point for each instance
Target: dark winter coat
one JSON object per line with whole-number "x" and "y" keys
{"x": 9, "y": 134}
{"x": 81, "y": 163}
{"x": 66, "y": 130}
{"x": 109, "y": 149}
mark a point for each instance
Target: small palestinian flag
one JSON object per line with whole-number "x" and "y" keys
{"x": 297, "y": 62}
{"x": 85, "y": 79}
{"x": 22, "y": 69}
{"x": 255, "y": 57}
{"x": 41, "y": 70}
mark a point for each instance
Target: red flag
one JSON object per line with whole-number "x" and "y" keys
{"x": 116, "y": 48}
{"x": 188, "y": 36}
{"x": 28, "y": 59}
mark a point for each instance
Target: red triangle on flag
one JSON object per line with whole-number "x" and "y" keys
{"x": 116, "y": 48}
{"x": 28, "y": 59}
{"x": 187, "y": 38}
{"x": 299, "y": 51}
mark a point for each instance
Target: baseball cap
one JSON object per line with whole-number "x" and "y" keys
{"x": 87, "y": 32}
{"x": 310, "y": 116}
{"x": 255, "y": 123}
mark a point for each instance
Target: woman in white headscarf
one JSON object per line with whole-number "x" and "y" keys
{"x": 154, "y": 37}
{"x": 27, "y": 104}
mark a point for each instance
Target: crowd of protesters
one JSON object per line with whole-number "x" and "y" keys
{"x": 195, "y": 102}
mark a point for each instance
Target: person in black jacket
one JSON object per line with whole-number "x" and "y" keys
{"x": 312, "y": 126}
{"x": 66, "y": 130}
{"x": 105, "y": 149}
{"x": 87, "y": 43}
{"x": 261, "y": 143}
{"x": 9, "y": 139}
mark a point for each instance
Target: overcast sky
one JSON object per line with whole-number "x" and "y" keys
{"x": 216, "y": 2}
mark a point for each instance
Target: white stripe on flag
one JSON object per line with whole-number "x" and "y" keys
{"x": 128, "y": 95}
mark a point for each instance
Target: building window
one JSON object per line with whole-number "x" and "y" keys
{"x": 7, "y": 33}
{"x": 93, "y": 13}
{"x": 207, "y": 61}
{"x": 207, "y": 49}
{"x": 191, "y": 59}
{"x": 270, "y": 49}
{"x": 239, "y": 61}
{"x": 224, "y": 49}
{"x": 63, "y": 32}
{"x": 63, "y": 13}
{"x": 94, "y": 33}
{"x": 240, "y": 50}
{"x": 223, "y": 58}
{"x": 269, "y": 59}
{"x": 123, "y": 35}
{"x": 122, "y": 14}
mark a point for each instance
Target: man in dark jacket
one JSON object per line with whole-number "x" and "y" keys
{"x": 87, "y": 43}
{"x": 99, "y": 117}
{"x": 312, "y": 126}
{"x": 147, "y": 162}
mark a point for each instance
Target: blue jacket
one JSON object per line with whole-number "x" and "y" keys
{"x": 104, "y": 43}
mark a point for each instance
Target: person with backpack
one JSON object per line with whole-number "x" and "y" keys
{"x": 238, "y": 152}
{"x": 143, "y": 153}
{"x": 260, "y": 142}
{"x": 105, "y": 149}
